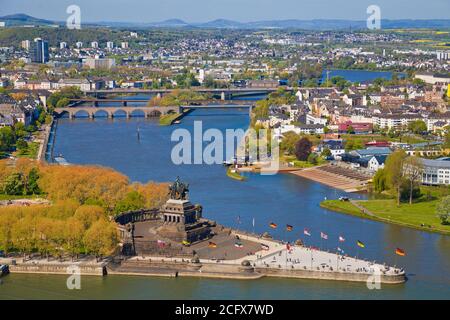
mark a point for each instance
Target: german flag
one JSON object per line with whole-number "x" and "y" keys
{"x": 289, "y": 227}
{"x": 360, "y": 244}
{"x": 400, "y": 252}
{"x": 212, "y": 245}
{"x": 273, "y": 225}
{"x": 185, "y": 242}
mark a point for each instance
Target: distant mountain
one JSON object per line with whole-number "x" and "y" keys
{"x": 314, "y": 24}
{"x": 21, "y": 19}
{"x": 174, "y": 23}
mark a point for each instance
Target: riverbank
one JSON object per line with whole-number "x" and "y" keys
{"x": 274, "y": 260}
{"x": 420, "y": 216}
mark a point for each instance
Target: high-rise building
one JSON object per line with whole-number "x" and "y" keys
{"x": 124, "y": 45}
{"x": 109, "y": 45}
{"x": 94, "y": 44}
{"x": 63, "y": 45}
{"x": 79, "y": 45}
{"x": 39, "y": 51}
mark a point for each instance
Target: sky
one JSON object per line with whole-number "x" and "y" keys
{"x": 239, "y": 10}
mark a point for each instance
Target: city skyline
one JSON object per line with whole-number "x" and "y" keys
{"x": 248, "y": 11}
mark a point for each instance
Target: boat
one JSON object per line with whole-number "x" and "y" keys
{"x": 61, "y": 160}
{"x": 4, "y": 270}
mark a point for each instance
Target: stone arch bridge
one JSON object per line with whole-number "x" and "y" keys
{"x": 119, "y": 111}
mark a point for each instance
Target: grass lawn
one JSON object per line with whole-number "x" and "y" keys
{"x": 9, "y": 197}
{"x": 166, "y": 120}
{"x": 420, "y": 215}
{"x": 302, "y": 164}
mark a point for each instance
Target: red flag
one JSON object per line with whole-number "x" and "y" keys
{"x": 341, "y": 239}
{"x": 323, "y": 235}
{"x": 306, "y": 232}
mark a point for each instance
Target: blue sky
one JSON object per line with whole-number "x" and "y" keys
{"x": 240, "y": 10}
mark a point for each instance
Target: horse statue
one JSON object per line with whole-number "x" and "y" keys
{"x": 178, "y": 190}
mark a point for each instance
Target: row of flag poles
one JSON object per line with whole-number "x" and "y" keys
{"x": 341, "y": 239}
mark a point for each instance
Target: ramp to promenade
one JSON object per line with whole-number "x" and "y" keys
{"x": 336, "y": 177}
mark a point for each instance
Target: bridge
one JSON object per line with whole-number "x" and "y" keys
{"x": 95, "y": 102}
{"x": 136, "y": 111}
{"x": 111, "y": 112}
{"x": 219, "y": 91}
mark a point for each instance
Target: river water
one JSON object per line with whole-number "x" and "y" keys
{"x": 283, "y": 199}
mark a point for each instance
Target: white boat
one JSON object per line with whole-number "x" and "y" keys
{"x": 61, "y": 161}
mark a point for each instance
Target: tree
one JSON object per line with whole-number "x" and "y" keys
{"x": 417, "y": 126}
{"x": 132, "y": 201}
{"x": 312, "y": 158}
{"x": 303, "y": 149}
{"x": 287, "y": 145}
{"x": 21, "y": 145}
{"x": 73, "y": 234}
{"x": 32, "y": 185}
{"x": 326, "y": 152}
{"x": 350, "y": 130}
{"x": 413, "y": 170}
{"x": 101, "y": 238}
{"x": 88, "y": 214}
{"x": 380, "y": 181}
{"x": 394, "y": 171}
{"x": 14, "y": 184}
{"x": 443, "y": 210}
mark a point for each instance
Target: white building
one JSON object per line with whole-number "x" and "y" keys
{"x": 124, "y": 45}
{"x": 79, "y": 45}
{"x": 436, "y": 172}
{"x": 110, "y": 45}
{"x": 94, "y": 44}
{"x": 395, "y": 121}
{"x": 63, "y": 45}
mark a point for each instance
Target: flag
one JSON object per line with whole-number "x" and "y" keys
{"x": 288, "y": 247}
{"x": 273, "y": 225}
{"x": 400, "y": 252}
{"x": 360, "y": 244}
{"x": 340, "y": 250}
{"x": 289, "y": 227}
{"x": 212, "y": 245}
{"x": 161, "y": 243}
{"x": 238, "y": 244}
{"x": 323, "y": 235}
{"x": 341, "y": 239}
{"x": 306, "y": 232}
{"x": 238, "y": 219}
{"x": 253, "y": 222}
{"x": 264, "y": 246}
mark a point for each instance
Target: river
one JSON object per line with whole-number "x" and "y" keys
{"x": 283, "y": 199}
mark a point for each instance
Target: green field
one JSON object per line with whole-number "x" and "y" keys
{"x": 419, "y": 215}
{"x": 168, "y": 119}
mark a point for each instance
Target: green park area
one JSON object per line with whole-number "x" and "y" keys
{"x": 422, "y": 214}
{"x": 168, "y": 119}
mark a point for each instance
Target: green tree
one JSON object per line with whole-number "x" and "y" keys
{"x": 326, "y": 152}
{"x": 133, "y": 201}
{"x": 33, "y": 179}
{"x": 14, "y": 184}
{"x": 380, "y": 181}
{"x": 443, "y": 210}
{"x": 417, "y": 127}
{"x": 287, "y": 145}
{"x": 394, "y": 171}
{"x": 312, "y": 158}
